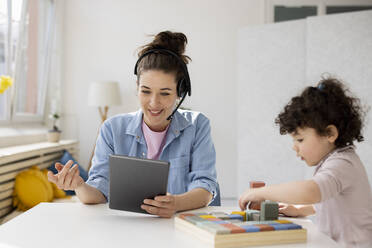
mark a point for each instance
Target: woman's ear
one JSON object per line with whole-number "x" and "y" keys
{"x": 332, "y": 133}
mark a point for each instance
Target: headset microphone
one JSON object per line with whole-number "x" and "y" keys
{"x": 174, "y": 111}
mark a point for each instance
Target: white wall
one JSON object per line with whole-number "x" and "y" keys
{"x": 275, "y": 63}
{"x": 270, "y": 70}
{"x": 99, "y": 43}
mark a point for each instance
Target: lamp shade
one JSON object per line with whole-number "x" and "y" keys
{"x": 104, "y": 94}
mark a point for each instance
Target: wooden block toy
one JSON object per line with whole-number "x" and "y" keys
{"x": 236, "y": 217}
{"x": 255, "y": 184}
{"x": 239, "y": 232}
{"x": 269, "y": 210}
{"x": 242, "y": 213}
{"x": 250, "y": 212}
{"x": 221, "y": 215}
{"x": 256, "y": 216}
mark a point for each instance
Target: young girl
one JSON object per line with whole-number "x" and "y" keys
{"x": 323, "y": 122}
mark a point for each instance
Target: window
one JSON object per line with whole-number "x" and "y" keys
{"x": 26, "y": 38}
{"x": 286, "y": 10}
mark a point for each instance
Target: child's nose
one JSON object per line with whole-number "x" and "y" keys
{"x": 294, "y": 147}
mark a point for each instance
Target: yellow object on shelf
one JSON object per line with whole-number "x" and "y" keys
{"x": 57, "y": 192}
{"x": 5, "y": 83}
{"x": 32, "y": 187}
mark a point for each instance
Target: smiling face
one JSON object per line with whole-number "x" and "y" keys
{"x": 312, "y": 147}
{"x": 157, "y": 94}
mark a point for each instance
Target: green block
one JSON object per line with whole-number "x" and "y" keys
{"x": 195, "y": 219}
{"x": 249, "y": 214}
{"x": 269, "y": 210}
{"x": 214, "y": 228}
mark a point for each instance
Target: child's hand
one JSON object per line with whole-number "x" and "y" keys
{"x": 251, "y": 195}
{"x": 289, "y": 210}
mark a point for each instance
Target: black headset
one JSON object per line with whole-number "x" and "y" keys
{"x": 183, "y": 85}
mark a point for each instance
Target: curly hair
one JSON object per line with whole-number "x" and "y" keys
{"x": 330, "y": 103}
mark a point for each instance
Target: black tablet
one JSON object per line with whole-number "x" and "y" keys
{"x": 134, "y": 179}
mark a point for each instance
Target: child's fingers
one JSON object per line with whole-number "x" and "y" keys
{"x": 242, "y": 204}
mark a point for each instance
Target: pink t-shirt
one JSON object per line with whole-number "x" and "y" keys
{"x": 154, "y": 140}
{"x": 345, "y": 210}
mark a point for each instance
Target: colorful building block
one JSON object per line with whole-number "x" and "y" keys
{"x": 242, "y": 213}
{"x": 249, "y": 214}
{"x": 256, "y": 216}
{"x": 234, "y": 228}
{"x": 255, "y": 184}
{"x": 269, "y": 210}
{"x": 250, "y": 228}
{"x": 194, "y": 219}
{"x": 207, "y": 216}
{"x": 264, "y": 227}
{"x": 221, "y": 215}
{"x": 236, "y": 217}
{"x": 214, "y": 228}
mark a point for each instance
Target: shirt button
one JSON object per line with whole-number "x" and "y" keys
{"x": 143, "y": 154}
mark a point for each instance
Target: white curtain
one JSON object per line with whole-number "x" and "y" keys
{"x": 33, "y": 61}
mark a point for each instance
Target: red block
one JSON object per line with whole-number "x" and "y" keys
{"x": 255, "y": 184}
{"x": 182, "y": 216}
{"x": 264, "y": 227}
{"x": 234, "y": 228}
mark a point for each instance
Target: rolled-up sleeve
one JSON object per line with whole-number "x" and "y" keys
{"x": 203, "y": 159}
{"x": 99, "y": 172}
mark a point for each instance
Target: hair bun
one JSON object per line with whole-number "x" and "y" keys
{"x": 176, "y": 42}
{"x": 173, "y": 41}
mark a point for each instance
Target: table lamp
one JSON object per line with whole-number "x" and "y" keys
{"x": 103, "y": 95}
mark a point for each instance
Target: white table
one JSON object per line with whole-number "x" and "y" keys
{"x": 78, "y": 225}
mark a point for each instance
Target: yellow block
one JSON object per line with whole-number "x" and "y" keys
{"x": 283, "y": 221}
{"x": 207, "y": 216}
{"x": 242, "y": 213}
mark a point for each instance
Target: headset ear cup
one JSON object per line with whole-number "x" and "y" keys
{"x": 181, "y": 88}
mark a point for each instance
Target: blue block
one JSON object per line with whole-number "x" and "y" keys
{"x": 279, "y": 227}
{"x": 251, "y": 228}
{"x": 236, "y": 217}
{"x": 221, "y": 222}
{"x": 286, "y": 226}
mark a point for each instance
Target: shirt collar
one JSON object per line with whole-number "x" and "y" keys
{"x": 178, "y": 123}
{"x": 341, "y": 149}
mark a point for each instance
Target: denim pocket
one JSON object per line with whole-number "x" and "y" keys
{"x": 178, "y": 175}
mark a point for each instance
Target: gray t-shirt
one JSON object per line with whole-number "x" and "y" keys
{"x": 345, "y": 210}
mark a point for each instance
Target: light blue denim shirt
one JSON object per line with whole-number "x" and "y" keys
{"x": 188, "y": 147}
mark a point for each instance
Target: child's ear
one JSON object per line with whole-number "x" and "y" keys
{"x": 332, "y": 133}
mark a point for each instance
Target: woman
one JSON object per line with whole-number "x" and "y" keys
{"x": 158, "y": 131}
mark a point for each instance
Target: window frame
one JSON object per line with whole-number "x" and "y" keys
{"x": 11, "y": 115}
{"x": 320, "y": 4}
